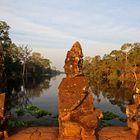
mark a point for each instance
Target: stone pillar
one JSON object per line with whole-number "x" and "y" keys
{"x": 133, "y": 114}
{"x": 78, "y": 119}
{"x": 2, "y": 103}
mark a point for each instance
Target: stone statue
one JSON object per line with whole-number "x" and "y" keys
{"x": 133, "y": 114}
{"x": 75, "y": 103}
{"x": 74, "y": 61}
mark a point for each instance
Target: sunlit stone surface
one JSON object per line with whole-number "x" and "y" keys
{"x": 133, "y": 113}
{"x": 74, "y": 61}
{"x": 36, "y": 133}
{"x": 77, "y": 117}
{"x": 116, "y": 133}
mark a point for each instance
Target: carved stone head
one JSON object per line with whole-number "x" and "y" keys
{"x": 74, "y": 61}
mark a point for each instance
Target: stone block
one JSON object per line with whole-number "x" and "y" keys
{"x": 70, "y": 129}
{"x": 89, "y": 121}
{"x": 134, "y": 125}
{"x": 71, "y": 93}
{"x": 89, "y": 137}
{"x": 70, "y": 138}
{"x": 116, "y": 133}
{"x": 36, "y": 133}
{"x": 2, "y": 101}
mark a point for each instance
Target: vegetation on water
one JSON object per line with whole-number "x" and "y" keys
{"x": 33, "y": 110}
{"x": 13, "y": 123}
{"x": 20, "y": 111}
{"x": 55, "y": 116}
{"x": 110, "y": 115}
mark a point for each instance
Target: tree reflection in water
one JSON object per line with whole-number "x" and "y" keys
{"x": 115, "y": 93}
{"x": 20, "y": 91}
{"x": 35, "y": 87}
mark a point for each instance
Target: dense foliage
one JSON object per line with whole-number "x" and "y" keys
{"x": 123, "y": 65}
{"x": 20, "y": 60}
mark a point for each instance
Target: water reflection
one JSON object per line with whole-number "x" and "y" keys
{"x": 20, "y": 91}
{"x": 43, "y": 93}
{"x": 40, "y": 92}
{"x": 114, "y": 98}
{"x": 35, "y": 87}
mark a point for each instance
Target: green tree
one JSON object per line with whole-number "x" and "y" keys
{"x": 12, "y": 61}
{"x": 125, "y": 48}
{"x": 24, "y": 56}
{"x": 4, "y": 33}
{"x": 134, "y": 58}
{"x": 39, "y": 65}
{"x": 123, "y": 65}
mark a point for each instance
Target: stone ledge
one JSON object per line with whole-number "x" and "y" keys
{"x": 116, "y": 133}
{"x": 36, "y": 133}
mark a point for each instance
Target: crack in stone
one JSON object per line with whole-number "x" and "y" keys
{"x": 35, "y": 132}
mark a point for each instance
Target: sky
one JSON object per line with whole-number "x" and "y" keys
{"x": 52, "y": 26}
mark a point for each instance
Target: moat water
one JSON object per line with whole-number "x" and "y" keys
{"x": 44, "y": 94}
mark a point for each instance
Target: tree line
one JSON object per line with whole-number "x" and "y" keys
{"x": 20, "y": 60}
{"x": 122, "y": 65}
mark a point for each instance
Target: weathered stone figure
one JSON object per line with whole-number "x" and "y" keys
{"x": 78, "y": 119}
{"x": 133, "y": 114}
{"x": 74, "y": 61}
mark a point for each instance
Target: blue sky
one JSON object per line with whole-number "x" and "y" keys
{"x": 52, "y": 26}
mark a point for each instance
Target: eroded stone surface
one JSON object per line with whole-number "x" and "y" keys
{"x": 2, "y": 102}
{"x": 74, "y": 61}
{"x": 133, "y": 114}
{"x": 36, "y": 133}
{"x": 77, "y": 116}
{"x": 116, "y": 133}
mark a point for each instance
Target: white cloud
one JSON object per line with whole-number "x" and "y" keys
{"x": 51, "y": 26}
